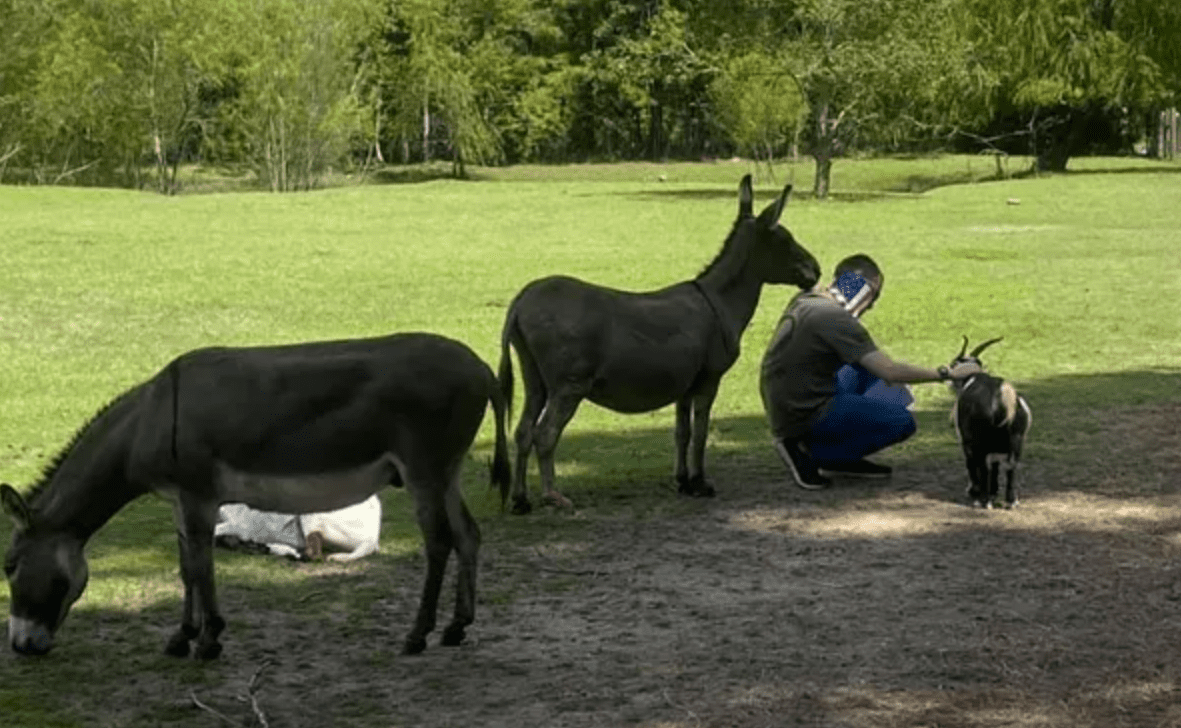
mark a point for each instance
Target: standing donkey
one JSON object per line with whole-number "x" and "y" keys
{"x": 296, "y": 429}
{"x": 636, "y": 352}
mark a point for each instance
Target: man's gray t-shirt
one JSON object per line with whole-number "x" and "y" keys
{"x": 815, "y": 337}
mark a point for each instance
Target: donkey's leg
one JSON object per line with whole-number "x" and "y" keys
{"x": 465, "y": 536}
{"x": 681, "y": 440}
{"x": 178, "y": 643}
{"x": 196, "y": 519}
{"x": 554, "y": 418}
{"x": 531, "y": 410}
{"x": 432, "y": 521}
{"x": 703, "y": 401}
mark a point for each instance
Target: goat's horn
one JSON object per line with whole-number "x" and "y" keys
{"x": 985, "y": 345}
{"x": 963, "y": 349}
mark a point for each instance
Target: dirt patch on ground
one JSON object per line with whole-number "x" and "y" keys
{"x": 881, "y": 605}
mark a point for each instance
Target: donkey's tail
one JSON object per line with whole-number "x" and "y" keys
{"x": 502, "y": 473}
{"x": 504, "y": 374}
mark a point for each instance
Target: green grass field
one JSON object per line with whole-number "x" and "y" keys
{"x": 99, "y": 289}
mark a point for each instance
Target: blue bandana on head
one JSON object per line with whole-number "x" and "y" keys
{"x": 850, "y": 284}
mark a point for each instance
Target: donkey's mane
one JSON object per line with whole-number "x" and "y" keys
{"x": 56, "y": 462}
{"x": 726, "y": 246}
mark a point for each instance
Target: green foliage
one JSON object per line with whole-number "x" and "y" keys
{"x": 758, "y": 102}
{"x": 299, "y": 108}
{"x": 641, "y": 81}
{"x": 1054, "y": 62}
{"x": 122, "y": 92}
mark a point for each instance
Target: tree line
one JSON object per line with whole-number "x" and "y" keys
{"x": 122, "y": 92}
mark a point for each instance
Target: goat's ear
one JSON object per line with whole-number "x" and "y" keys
{"x": 746, "y": 198}
{"x": 16, "y": 507}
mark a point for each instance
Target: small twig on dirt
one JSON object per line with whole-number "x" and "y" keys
{"x": 669, "y": 701}
{"x": 207, "y": 709}
{"x": 252, "y": 690}
{"x": 308, "y": 596}
{"x": 570, "y": 572}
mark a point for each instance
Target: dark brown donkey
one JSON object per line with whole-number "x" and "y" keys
{"x": 636, "y": 352}
{"x": 295, "y": 429}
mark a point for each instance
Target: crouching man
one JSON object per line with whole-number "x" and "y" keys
{"x": 831, "y": 396}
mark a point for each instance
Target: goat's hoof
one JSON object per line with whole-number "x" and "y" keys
{"x": 178, "y": 645}
{"x": 413, "y": 645}
{"x": 521, "y": 505}
{"x": 1011, "y": 505}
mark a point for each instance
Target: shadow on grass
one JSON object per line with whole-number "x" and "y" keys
{"x": 701, "y": 194}
{"x": 1076, "y": 420}
{"x": 410, "y": 174}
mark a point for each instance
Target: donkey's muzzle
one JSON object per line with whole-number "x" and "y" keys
{"x": 28, "y": 638}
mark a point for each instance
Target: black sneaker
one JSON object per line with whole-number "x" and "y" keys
{"x": 857, "y": 469}
{"x": 800, "y": 465}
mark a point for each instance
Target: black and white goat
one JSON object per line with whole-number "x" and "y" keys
{"x": 991, "y": 421}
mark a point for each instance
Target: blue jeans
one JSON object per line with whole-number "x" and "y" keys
{"x": 865, "y": 416}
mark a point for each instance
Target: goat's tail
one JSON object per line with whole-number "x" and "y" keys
{"x": 1008, "y": 398}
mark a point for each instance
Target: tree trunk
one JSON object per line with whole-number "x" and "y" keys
{"x": 655, "y": 125}
{"x": 821, "y": 183}
{"x": 426, "y": 132}
{"x": 824, "y": 148}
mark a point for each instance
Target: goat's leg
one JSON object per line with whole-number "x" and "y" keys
{"x": 994, "y": 480}
{"x": 977, "y": 481}
{"x": 1011, "y": 485}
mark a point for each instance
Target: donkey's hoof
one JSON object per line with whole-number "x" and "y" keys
{"x": 557, "y": 500}
{"x": 208, "y": 651}
{"x": 452, "y": 636}
{"x": 521, "y": 505}
{"x": 414, "y": 645}
{"x": 696, "y": 488}
{"x": 178, "y": 645}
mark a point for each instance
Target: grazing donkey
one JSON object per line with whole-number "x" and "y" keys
{"x": 296, "y": 429}
{"x": 636, "y": 352}
{"x": 991, "y": 421}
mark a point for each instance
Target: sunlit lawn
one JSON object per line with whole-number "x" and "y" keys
{"x": 100, "y": 288}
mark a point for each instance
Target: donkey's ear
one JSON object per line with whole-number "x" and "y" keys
{"x": 15, "y": 507}
{"x": 779, "y": 205}
{"x": 746, "y": 198}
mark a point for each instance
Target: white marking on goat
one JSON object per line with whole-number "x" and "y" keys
{"x": 1028, "y": 413}
{"x": 1009, "y": 402}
